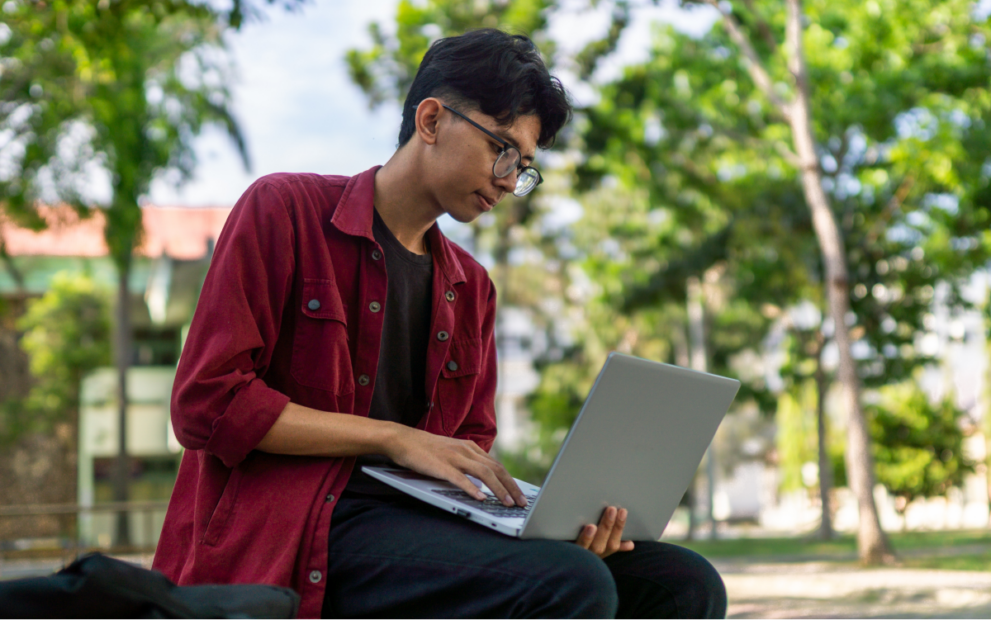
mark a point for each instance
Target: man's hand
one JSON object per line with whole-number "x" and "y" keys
{"x": 607, "y": 538}
{"x": 453, "y": 460}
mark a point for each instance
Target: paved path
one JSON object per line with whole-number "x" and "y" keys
{"x": 831, "y": 590}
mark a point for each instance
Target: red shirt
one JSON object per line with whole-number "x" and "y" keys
{"x": 286, "y": 315}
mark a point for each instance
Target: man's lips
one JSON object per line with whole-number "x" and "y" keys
{"x": 485, "y": 203}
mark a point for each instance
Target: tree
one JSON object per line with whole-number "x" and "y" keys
{"x": 918, "y": 446}
{"x": 856, "y": 124}
{"x": 125, "y": 85}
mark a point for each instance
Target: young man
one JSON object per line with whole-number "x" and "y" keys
{"x": 337, "y": 327}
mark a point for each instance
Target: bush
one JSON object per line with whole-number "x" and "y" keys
{"x": 66, "y": 334}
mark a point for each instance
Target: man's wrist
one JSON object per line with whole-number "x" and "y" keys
{"x": 390, "y": 438}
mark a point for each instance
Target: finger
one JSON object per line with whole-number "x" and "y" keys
{"x": 507, "y": 480}
{"x": 488, "y": 476}
{"x": 458, "y": 479}
{"x": 606, "y": 524}
{"x": 515, "y": 493}
{"x": 616, "y": 536}
{"x": 586, "y": 536}
{"x": 627, "y": 545}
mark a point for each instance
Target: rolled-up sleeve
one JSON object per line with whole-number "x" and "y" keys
{"x": 219, "y": 403}
{"x": 480, "y": 423}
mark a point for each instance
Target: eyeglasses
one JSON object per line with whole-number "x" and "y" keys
{"x": 509, "y": 159}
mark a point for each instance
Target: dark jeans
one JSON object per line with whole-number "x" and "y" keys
{"x": 399, "y": 557}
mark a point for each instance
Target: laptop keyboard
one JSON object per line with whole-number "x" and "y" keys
{"x": 490, "y": 505}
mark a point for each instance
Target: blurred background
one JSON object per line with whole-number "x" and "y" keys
{"x": 794, "y": 194}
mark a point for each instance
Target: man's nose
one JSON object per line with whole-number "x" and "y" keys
{"x": 508, "y": 182}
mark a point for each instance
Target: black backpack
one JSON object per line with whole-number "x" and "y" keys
{"x": 95, "y": 586}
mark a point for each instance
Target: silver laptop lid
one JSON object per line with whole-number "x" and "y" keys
{"x": 642, "y": 460}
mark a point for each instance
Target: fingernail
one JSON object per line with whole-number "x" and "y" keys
{"x": 508, "y": 500}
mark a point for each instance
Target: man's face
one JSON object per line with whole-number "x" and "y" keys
{"x": 462, "y": 158}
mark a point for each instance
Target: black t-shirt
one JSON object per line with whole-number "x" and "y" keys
{"x": 400, "y": 392}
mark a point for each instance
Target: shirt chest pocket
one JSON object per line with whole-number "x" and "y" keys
{"x": 321, "y": 358}
{"x": 459, "y": 375}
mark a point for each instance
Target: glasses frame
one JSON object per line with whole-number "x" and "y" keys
{"x": 506, "y": 147}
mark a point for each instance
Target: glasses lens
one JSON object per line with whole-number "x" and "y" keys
{"x": 507, "y": 162}
{"x": 526, "y": 182}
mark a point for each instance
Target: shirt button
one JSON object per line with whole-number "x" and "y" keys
{"x": 452, "y": 365}
{"x": 442, "y": 336}
{"x": 330, "y": 497}
{"x": 364, "y": 380}
{"x": 376, "y": 255}
{"x": 375, "y": 306}
{"x": 315, "y": 576}
{"x": 314, "y": 304}
{"x": 449, "y": 295}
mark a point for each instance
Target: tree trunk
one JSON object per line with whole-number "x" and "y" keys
{"x": 123, "y": 358}
{"x": 682, "y": 358}
{"x": 872, "y": 544}
{"x": 825, "y": 467}
{"x": 699, "y": 359}
{"x": 690, "y": 503}
{"x": 12, "y": 270}
{"x": 986, "y": 426}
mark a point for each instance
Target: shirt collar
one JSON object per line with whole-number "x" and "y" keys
{"x": 355, "y": 215}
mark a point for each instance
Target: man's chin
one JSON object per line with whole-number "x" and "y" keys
{"x": 466, "y": 214}
{"x": 464, "y": 217}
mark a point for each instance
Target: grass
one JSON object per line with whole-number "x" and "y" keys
{"x": 980, "y": 562}
{"x": 767, "y": 547}
{"x": 844, "y": 548}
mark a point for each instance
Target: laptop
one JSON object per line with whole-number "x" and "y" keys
{"x": 636, "y": 444}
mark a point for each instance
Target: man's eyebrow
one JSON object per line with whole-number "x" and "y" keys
{"x": 505, "y": 136}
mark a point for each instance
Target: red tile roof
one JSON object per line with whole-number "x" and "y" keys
{"x": 181, "y": 232}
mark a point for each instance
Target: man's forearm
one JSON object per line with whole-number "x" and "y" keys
{"x": 302, "y": 431}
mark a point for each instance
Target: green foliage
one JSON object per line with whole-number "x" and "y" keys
{"x": 242, "y": 11}
{"x": 66, "y": 335}
{"x": 918, "y": 447}
{"x": 690, "y": 128}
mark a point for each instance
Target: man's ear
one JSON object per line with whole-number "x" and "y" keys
{"x": 428, "y": 119}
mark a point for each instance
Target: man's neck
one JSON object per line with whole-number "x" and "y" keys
{"x": 405, "y": 208}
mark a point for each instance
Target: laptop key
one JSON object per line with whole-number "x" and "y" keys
{"x": 490, "y": 505}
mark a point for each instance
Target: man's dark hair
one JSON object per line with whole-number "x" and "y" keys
{"x": 501, "y": 75}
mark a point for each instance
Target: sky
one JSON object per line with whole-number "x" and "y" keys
{"x": 300, "y": 112}
{"x": 295, "y": 103}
